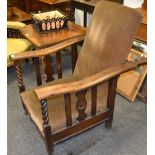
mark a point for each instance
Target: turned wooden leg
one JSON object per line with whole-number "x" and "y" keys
{"x": 111, "y": 101}
{"x": 20, "y": 82}
{"x": 46, "y": 127}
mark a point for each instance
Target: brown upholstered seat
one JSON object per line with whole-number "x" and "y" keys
{"x": 56, "y": 106}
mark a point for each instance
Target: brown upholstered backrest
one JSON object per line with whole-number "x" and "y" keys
{"x": 108, "y": 39}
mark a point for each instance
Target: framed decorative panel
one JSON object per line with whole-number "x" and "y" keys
{"x": 130, "y": 82}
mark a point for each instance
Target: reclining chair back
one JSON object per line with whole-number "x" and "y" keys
{"x": 108, "y": 39}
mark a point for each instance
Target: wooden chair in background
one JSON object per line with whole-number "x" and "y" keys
{"x": 68, "y": 106}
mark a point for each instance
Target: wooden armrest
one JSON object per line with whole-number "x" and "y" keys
{"x": 46, "y": 51}
{"x": 105, "y": 75}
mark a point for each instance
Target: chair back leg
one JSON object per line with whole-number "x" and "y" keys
{"x": 111, "y": 100}
{"x": 48, "y": 140}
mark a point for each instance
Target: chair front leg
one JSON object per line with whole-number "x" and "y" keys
{"x": 46, "y": 127}
{"x": 19, "y": 77}
{"x": 20, "y": 82}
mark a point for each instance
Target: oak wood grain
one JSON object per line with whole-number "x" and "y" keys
{"x": 111, "y": 100}
{"x": 81, "y": 105}
{"x": 41, "y": 40}
{"x": 74, "y": 51}
{"x": 80, "y": 127}
{"x": 59, "y": 64}
{"x": 38, "y": 71}
{"x": 68, "y": 112}
{"x": 93, "y": 100}
{"x": 48, "y": 68}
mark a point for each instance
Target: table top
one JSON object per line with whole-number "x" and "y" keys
{"x": 41, "y": 40}
{"x": 19, "y": 15}
{"x": 50, "y": 2}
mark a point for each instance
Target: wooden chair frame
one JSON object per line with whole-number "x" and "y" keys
{"x": 14, "y": 33}
{"x": 80, "y": 88}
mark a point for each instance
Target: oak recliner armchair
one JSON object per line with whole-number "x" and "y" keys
{"x": 68, "y": 106}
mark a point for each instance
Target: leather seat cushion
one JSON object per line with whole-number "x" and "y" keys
{"x": 56, "y": 105}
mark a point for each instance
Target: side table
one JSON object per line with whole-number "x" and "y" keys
{"x": 43, "y": 40}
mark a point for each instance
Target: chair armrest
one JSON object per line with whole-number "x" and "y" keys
{"x": 105, "y": 75}
{"x": 46, "y": 51}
